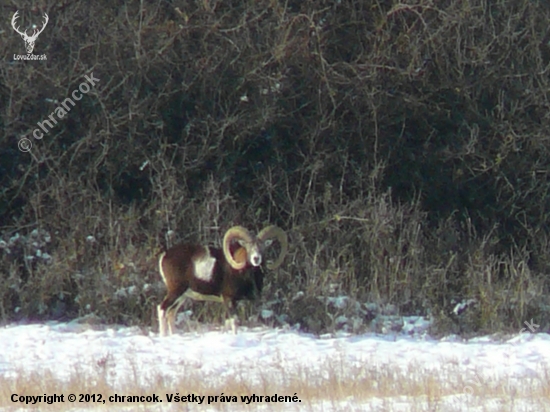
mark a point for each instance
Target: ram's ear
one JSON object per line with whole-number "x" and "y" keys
{"x": 268, "y": 242}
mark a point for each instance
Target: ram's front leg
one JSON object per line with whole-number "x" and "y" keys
{"x": 231, "y": 314}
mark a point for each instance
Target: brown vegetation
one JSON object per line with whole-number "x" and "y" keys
{"x": 402, "y": 146}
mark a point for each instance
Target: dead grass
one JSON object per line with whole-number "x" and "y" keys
{"x": 330, "y": 383}
{"x": 402, "y": 146}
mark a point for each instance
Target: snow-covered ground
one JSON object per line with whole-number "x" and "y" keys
{"x": 481, "y": 374}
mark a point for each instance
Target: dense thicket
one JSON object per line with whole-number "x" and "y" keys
{"x": 403, "y": 146}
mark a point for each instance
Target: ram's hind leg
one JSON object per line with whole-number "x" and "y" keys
{"x": 161, "y": 313}
{"x": 172, "y": 312}
{"x": 167, "y": 311}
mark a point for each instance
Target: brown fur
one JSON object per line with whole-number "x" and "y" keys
{"x": 227, "y": 283}
{"x": 223, "y": 275}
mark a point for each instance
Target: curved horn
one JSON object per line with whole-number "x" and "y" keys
{"x": 270, "y": 232}
{"x": 236, "y": 232}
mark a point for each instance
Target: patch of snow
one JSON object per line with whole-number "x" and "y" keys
{"x": 63, "y": 349}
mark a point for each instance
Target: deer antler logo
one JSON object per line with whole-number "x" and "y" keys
{"x": 29, "y": 40}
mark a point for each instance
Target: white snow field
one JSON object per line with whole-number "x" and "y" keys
{"x": 399, "y": 372}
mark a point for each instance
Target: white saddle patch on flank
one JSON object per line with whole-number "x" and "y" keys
{"x": 204, "y": 267}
